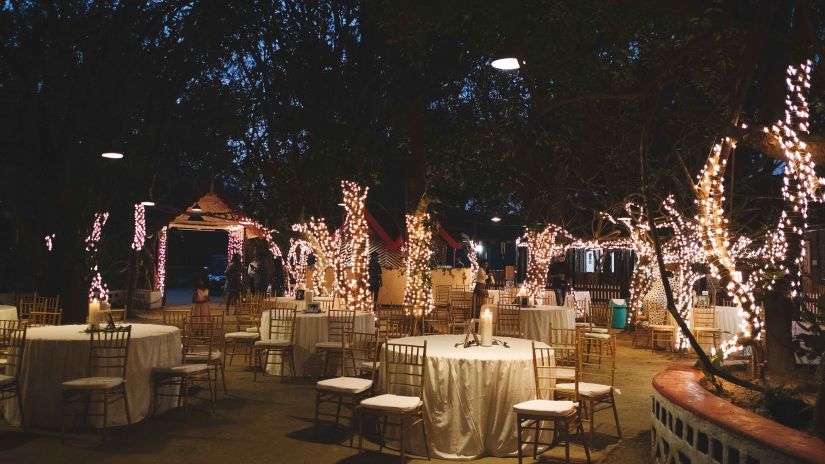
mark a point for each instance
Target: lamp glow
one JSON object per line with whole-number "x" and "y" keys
{"x": 112, "y": 155}
{"x": 495, "y": 219}
{"x": 505, "y": 64}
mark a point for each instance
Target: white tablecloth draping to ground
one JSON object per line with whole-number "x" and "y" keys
{"x": 59, "y": 353}
{"x": 8, "y": 313}
{"x": 728, "y": 320}
{"x": 469, "y": 395}
{"x": 309, "y": 330}
{"x": 301, "y": 305}
{"x": 535, "y": 322}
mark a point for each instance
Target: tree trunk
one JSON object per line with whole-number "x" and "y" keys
{"x": 819, "y": 407}
{"x": 779, "y": 349}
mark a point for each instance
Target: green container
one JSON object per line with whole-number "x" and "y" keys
{"x": 619, "y": 311}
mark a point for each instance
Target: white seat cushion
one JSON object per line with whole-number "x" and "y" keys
{"x": 367, "y": 365}
{"x": 662, "y": 327}
{"x": 92, "y": 383}
{"x": 252, "y": 329}
{"x": 276, "y": 343}
{"x": 582, "y": 324}
{"x": 248, "y": 336}
{"x": 706, "y": 329}
{"x": 202, "y": 356}
{"x": 328, "y": 346}
{"x": 601, "y": 336}
{"x": 600, "y": 330}
{"x": 585, "y": 388}
{"x": 182, "y": 369}
{"x": 548, "y": 407}
{"x": 6, "y": 380}
{"x": 389, "y": 402}
{"x": 351, "y": 385}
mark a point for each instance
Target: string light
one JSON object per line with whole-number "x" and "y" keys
{"x": 296, "y": 262}
{"x": 472, "y": 255}
{"x": 418, "y": 297}
{"x": 235, "y": 243}
{"x": 49, "y": 238}
{"x": 140, "y": 227}
{"x": 541, "y": 247}
{"x": 326, "y": 248}
{"x": 160, "y": 285}
{"x": 357, "y": 293}
{"x": 97, "y": 288}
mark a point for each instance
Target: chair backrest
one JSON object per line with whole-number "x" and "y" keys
{"x": 600, "y": 314}
{"x": 460, "y": 295}
{"x": 704, "y": 317}
{"x": 361, "y": 350}
{"x": 25, "y": 308}
{"x": 198, "y": 335}
{"x": 175, "y": 317}
{"x": 13, "y": 343}
{"x": 460, "y": 310}
{"x": 561, "y": 338}
{"x": 404, "y": 369}
{"x": 326, "y": 304}
{"x": 109, "y": 352}
{"x": 341, "y": 324}
{"x": 282, "y": 323}
{"x": 544, "y": 371}
{"x": 118, "y": 315}
{"x": 45, "y": 318}
{"x": 392, "y": 322}
{"x": 508, "y": 321}
{"x": 442, "y": 295}
{"x": 47, "y": 303}
{"x": 596, "y": 360}
{"x": 214, "y": 323}
{"x": 436, "y": 322}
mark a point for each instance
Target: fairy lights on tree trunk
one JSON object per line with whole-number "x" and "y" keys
{"x": 97, "y": 287}
{"x": 325, "y": 246}
{"x": 140, "y": 227}
{"x": 160, "y": 271}
{"x": 355, "y": 232}
{"x": 296, "y": 263}
{"x": 418, "y": 296}
{"x": 541, "y": 247}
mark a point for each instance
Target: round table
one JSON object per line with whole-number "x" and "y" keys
{"x": 8, "y": 313}
{"x": 535, "y": 321}
{"x": 309, "y": 330}
{"x": 301, "y": 305}
{"x": 59, "y": 353}
{"x": 728, "y": 321}
{"x": 469, "y": 395}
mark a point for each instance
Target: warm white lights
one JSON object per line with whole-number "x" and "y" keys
{"x": 49, "y": 241}
{"x": 140, "y": 227}
{"x": 478, "y": 247}
{"x": 541, "y": 247}
{"x": 418, "y": 296}
{"x": 112, "y": 155}
{"x": 495, "y": 219}
{"x": 160, "y": 271}
{"x": 506, "y": 64}
{"x": 97, "y": 288}
{"x": 147, "y": 203}
{"x": 355, "y": 233}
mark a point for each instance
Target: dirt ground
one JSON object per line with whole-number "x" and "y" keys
{"x": 273, "y": 421}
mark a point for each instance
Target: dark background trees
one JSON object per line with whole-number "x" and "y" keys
{"x": 278, "y": 101}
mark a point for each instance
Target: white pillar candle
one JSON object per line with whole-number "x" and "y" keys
{"x": 94, "y": 311}
{"x": 486, "y": 328}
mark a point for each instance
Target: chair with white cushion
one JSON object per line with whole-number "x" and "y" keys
{"x": 211, "y": 328}
{"x": 341, "y": 323}
{"x": 279, "y": 344}
{"x": 403, "y": 369}
{"x": 461, "y": 307}
{"x": 533, "y": 415}
{"x": 564, "y": 344}
{"x": 246, "y": 318}
{"x": 392, "y": 322}
{"x": 359, "y": 362}
{"x": 12, "y": 345}
{"x": 704, "y": 327}
{"x": 194, "y": 336}
{"x": 595, "y": 375}
{"x": 108, "y": 353}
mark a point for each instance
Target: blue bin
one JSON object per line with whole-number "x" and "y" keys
{"x": 619, "y": 310}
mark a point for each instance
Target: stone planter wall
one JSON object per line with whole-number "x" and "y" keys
{"x": 690, "y": 425}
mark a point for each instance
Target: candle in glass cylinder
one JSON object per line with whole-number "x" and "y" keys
{"x": 486, "y": 328}
{"x": 94, "y": 312}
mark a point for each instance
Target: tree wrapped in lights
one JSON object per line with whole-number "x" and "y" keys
{"x": 356, "y": 233}
{"x": 160, "y": 270}
{"x": 296, "y": 263}
{"x": 541, "y": 247}
{"x": 472, "y": 255}
{"x": 97, "y": 287}
{"x": 140, "y": 227}
{"x": 418, "y": 296}
{"x": 325, "y": 246}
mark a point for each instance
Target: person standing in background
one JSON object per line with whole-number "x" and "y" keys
{"x": 200, "y": 298}
{"x": 252, "y": 274}
{"x": 375, "y": 276}
{"x": 560, "y": 278}
{"x": 480, "y": 288}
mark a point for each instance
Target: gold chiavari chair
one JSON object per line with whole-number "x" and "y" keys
{"x": 279, "y": 342}
{"x": 392, "y": 322}
{"x": 175, "y": 317}
{"x": 45, "y": 318}
{"x": 563, "y": 415}
{"x": 212, "y": 328}
{"x": 360, "y": 362}
{"x": 595, "y": 377}
{"x": 404, "y": 376}
{"x": 436, "y": 322}
{"x": 341, "y": 324}
{"x": 442, "y": 296}
{"x": 325, "y": 304}
{"x": 196, "y": 336}
{"x": 246, "y": 331}
{"x": 12, "y": 346}
{"x": 704, "y": 326}
{"x": 47, "y": 303}
{"x": 508, "y": 321}
{"x": 108, "y": 354}
{"x": 460, "y": 313}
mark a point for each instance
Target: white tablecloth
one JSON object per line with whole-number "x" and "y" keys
{"x": 469, "y": 395}
{"x": 535, "y": 322}
{"x": 60, "y": 353}
{"x": 309, "y": 330}
{"x": 301, "y": 305}
{"x": 8, "y": 313}
{"x": 728, "y": 320}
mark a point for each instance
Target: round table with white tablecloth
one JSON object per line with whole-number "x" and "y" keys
{"x": 728, "y": 321}
{"x": 309, "y": 330}
{"x": 58, "y": 353}
{"x": 301, "y": 305}
{"x": 469, "y": 395}
{"x": 535, "y": 321}
{"x": 8, "y": 313}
